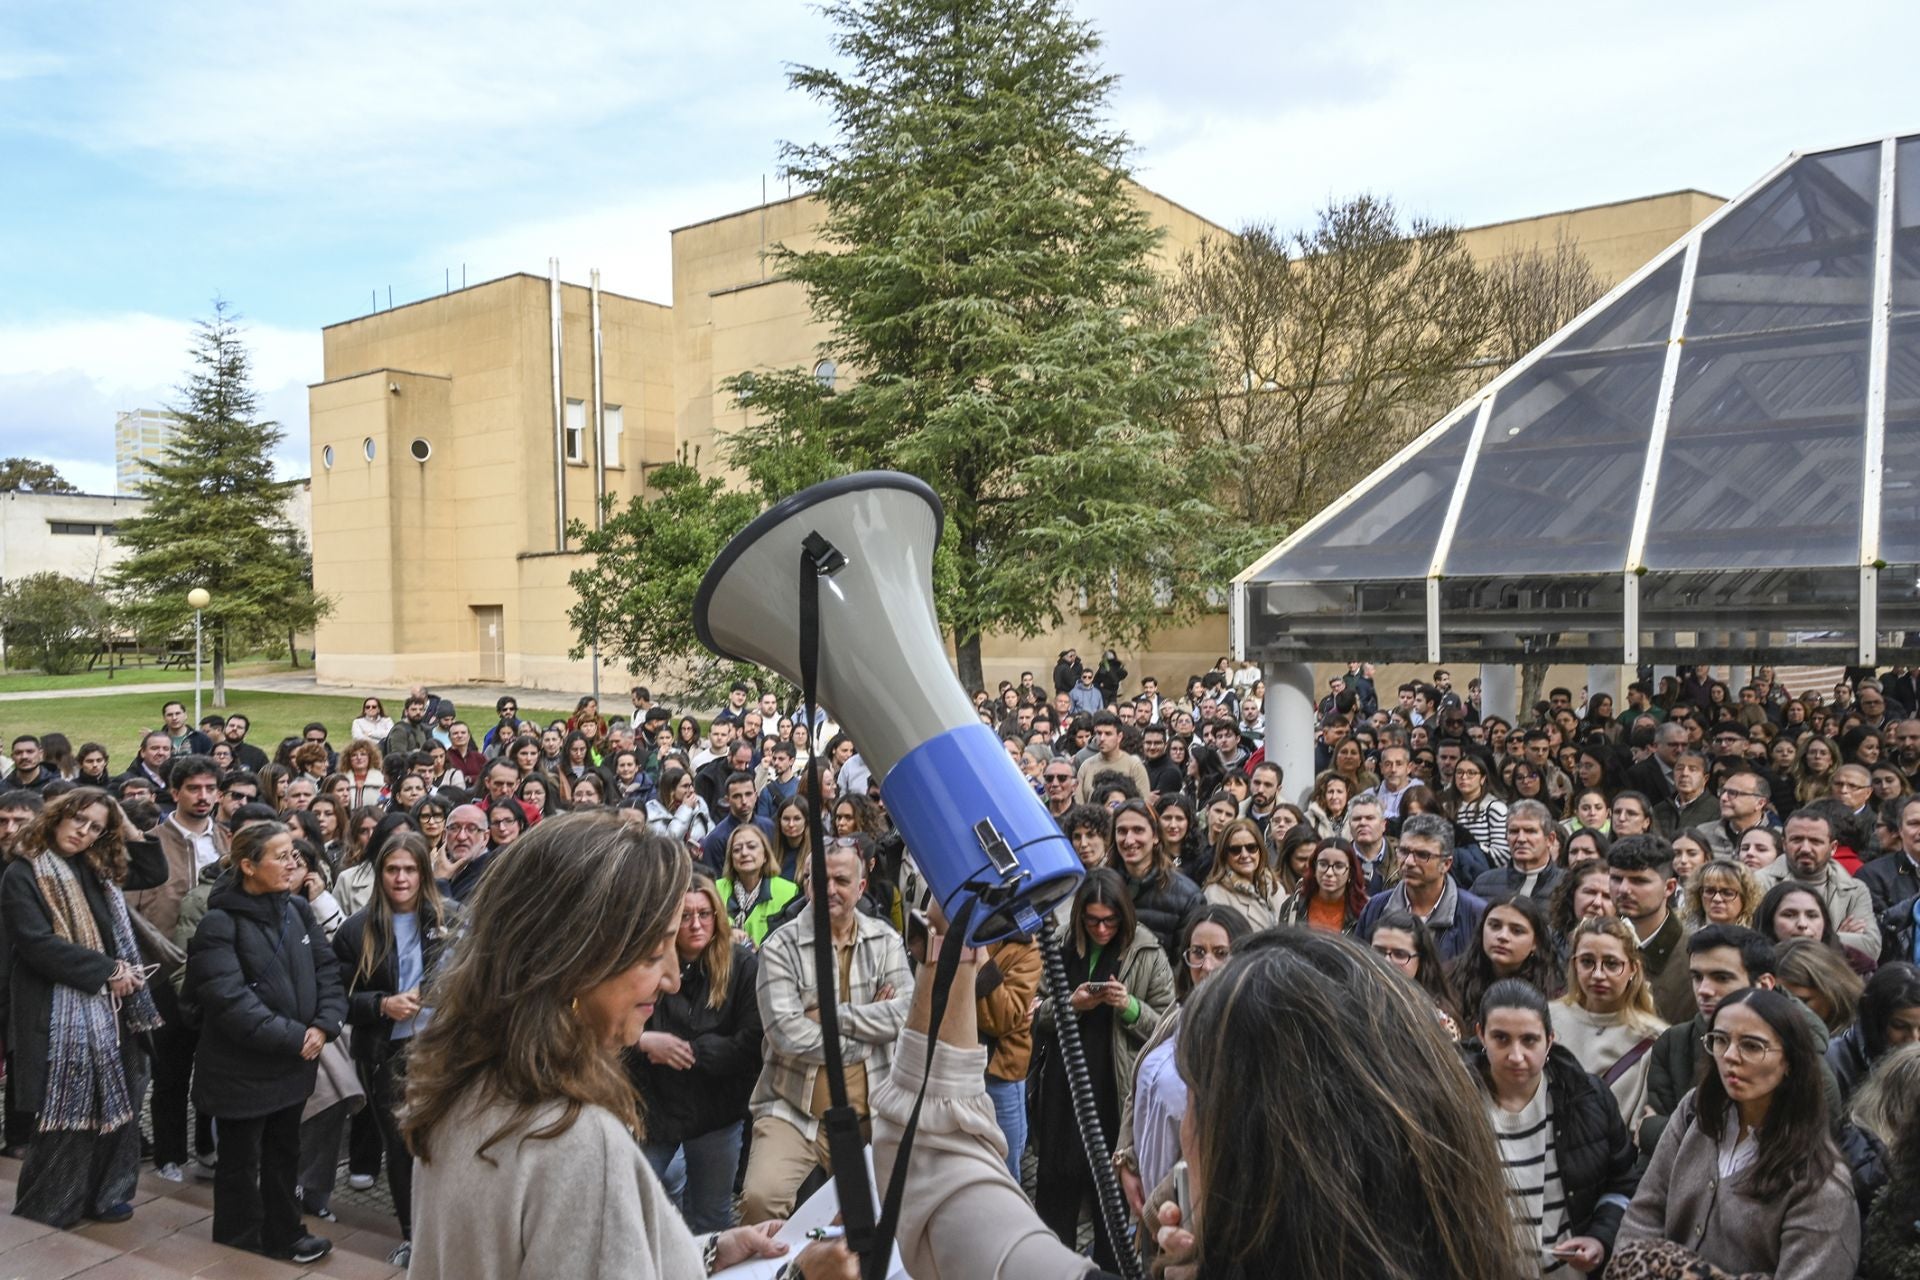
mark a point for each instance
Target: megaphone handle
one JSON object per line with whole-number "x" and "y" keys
{"x": 1114, "y": 1217}
{"x": 844, "y": 1144}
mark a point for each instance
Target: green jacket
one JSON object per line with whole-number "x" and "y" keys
{"x": 1674, "y": 1065}
{"x": 774, "y": 894}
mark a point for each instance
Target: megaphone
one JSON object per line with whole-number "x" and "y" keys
{"x": 971, "y": 823}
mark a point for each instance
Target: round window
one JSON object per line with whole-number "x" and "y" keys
{"x": 825, "y": 372}
{"x": 420, "y": 449}
{"x": 326, "y": 457}
{"x": 366, "y": 447}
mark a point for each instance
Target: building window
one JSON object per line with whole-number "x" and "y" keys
{"x": 612, "y": 427}
{"x": 75, "y": 528}
{"x": 366, "y": 447}
{"x": 824, "y": 373}
{"x": 326, "y": 457}
{"x": 576, "y": 431}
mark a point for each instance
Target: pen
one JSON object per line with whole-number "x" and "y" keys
{"x": 826, "y": 1233}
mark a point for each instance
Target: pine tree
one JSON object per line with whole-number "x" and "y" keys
{"x": 216, "y": 517}
{"x": 987, "y": 276}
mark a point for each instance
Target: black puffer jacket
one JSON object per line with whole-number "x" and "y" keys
{"x": 679, "y": 1105}
{"x": 373, "y": 1030}
{"x": 262, "y": 973}
{"x": 1162, "y": 899}
{"x": 1590, "y": 1142}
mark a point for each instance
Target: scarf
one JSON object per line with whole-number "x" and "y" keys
{"x": 86, "y": 1079}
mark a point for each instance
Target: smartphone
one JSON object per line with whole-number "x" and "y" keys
{"x": 1183, "y": 1194}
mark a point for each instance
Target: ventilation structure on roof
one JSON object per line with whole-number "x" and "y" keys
{"x": 1719, "y": 458}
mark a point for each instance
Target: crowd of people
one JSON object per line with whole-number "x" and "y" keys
{"x": 1649, "y": 973}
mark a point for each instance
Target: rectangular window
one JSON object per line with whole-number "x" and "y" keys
{"x": 613, "y": 427}
{"x": 72, "y": 527}
{"x": 576, "y": 430}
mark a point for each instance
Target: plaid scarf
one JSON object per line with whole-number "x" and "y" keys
{"x": 86, "y": 1080}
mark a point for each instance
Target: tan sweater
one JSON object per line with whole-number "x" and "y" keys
{"x": 1598, "y": 1041}
{"x": 963, "y": 1217}
{"x": 583, "y": 1204}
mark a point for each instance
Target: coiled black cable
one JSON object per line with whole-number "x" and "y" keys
{"x": 1112, "y": 1206}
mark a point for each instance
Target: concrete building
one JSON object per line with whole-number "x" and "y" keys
{"x": 73, "y": 533}
{"x": 139, "y": 439}
{"x": 434, "y": 440}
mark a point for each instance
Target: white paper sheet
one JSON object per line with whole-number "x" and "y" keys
{"x": 818, "y": 1211}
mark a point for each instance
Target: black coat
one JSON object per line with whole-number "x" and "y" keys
{"x": 679, "y": 1105}
{"x": 373, "y": 1030}
{"x": 1890, "y": 880}
{"x": 1590, "y": 1141}
{"x": 262, "y": 973}
{"x": 36, "y": 959}
{"x": 1161, "y": 901}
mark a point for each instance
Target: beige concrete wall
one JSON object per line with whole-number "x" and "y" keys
{"x": 409, "y": 550}
{"x": 1617, "y": 238}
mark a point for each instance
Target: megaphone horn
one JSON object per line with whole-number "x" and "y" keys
{"x": 971, "y": 823}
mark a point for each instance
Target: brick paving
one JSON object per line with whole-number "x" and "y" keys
{"x": 169, "y": 1238}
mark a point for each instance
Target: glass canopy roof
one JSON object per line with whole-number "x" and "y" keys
{"x": 1720, "y": 457}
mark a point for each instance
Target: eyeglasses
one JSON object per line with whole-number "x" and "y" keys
{"x": 1408, "y": 854}
{"x": 470, "y": 828}
{"x": 1059, "y": 777}
{"x": 1750, "y": 795}
{"x": 1716, "y": 892}
{"x": 1101, "y": 922}
{"x": 1722, "y": 1045}
{"x": 1241, "y": 846}
{"x": 87, "y": 826}
{"x": 696, "y": 917}
{"x": 1197, "y": 956}
{"x": 1605, "y": 964}
{"x": 1329, "y": 866}
{"x": 1396, "y": 955}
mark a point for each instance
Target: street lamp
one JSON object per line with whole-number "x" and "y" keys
{"x": 199, "y": 599}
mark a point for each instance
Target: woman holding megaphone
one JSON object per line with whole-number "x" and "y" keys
{"x": 1404, "y": 1188}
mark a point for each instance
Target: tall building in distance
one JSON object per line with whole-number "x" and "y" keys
{"x": 139, "y": 436}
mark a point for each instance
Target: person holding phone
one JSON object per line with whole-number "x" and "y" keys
{"x": 79, "y": 999}
{"x": 1567, "y": 1155}
{"x": 1121, "y": 985}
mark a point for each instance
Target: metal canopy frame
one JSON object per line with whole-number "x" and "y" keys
{"x": 1601, "y": 617}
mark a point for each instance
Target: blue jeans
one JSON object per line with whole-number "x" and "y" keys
{"x": 698, "y": 1175}
{"x": 1010, "y": 1109}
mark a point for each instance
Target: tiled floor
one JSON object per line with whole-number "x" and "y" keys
{"x": 168, "y": 1238}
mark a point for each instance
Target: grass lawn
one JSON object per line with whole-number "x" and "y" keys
{"x": 117, "y": 722}
{"x": 30, "y": 681}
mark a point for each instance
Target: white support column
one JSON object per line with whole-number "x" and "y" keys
{"x": 1290, "y": 725}
{"x": 1500, "y": 690}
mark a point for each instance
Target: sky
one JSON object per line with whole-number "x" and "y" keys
{"x": 300, "y": 161}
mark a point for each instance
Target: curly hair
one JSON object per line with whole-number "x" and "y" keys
{"x": 107, "y": 855}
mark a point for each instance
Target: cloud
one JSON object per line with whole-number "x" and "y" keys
{"x": 432, "y": 95}
{"x": 63, "y": 379}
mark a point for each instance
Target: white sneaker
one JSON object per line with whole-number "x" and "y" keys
{"x": 402, "y": 1256}
{"x": 360, "y": 1181}
{"x": 171, "y": 1172}
{"x": 204, "y": 1168}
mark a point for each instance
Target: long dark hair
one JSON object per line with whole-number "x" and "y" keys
{"x": 1317, "y": 1013}
{"x": 1770, "y": 907}
{"x": 1893, "y": 987}
{"x": 1795, "y": 1150}
{"x": 1431, "y": 977}
{"x": 376, "y": 943}
{"x": 1189, "y": 847}
{"x": 1104, "y": 887}
{"x": 1227, "y": 918}
{"x": 1473, "y": 972}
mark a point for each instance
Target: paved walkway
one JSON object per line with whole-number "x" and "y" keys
{"x": 169, "y": 1237}
{"x": 304, "y": 682}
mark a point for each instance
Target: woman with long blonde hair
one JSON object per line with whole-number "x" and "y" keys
{"x": 522, "y": 1121}
{"x": 698, "y": 1058}
{"x": 1607, "y": 1019}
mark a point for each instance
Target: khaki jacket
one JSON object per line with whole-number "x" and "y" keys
{"x": 161, "y": 906}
